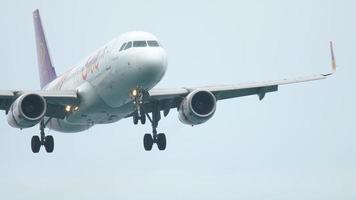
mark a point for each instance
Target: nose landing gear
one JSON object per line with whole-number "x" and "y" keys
{"x": 139, "y": 114}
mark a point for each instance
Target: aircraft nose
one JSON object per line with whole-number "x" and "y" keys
{"x": 152, "y": 62}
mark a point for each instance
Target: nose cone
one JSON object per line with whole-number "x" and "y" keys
{"x": 152, "y": 63}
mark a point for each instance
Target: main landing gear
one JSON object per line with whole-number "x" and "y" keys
{"x": 46, "y": 141}
{"x": 158, "y": 138}
{"x": 140, "y": 115}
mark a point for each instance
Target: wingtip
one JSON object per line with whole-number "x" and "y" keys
{"x": 333, "y": 61}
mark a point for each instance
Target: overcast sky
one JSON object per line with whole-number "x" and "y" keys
{"x": 298, "y": 143}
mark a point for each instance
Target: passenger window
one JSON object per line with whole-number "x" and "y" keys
{"x": 139, "y": 44}
{"x": 152, "y": 43}
{"x": 129, "y": 45}
{"x": 122, "y": 47}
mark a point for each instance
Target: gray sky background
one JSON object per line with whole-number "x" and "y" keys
{"x": 298, "y": 143}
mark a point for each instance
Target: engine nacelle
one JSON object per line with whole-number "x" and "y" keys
{"x": 198, "y": 107}
{"x": 27, "y": 111}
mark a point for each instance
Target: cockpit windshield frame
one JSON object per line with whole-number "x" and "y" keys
{"x": 128, "y": 45}
{"x": 138, "y": 44}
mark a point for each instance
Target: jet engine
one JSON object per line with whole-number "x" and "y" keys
{"x": 198, "y": 107}
{"x": 27, "y": 111}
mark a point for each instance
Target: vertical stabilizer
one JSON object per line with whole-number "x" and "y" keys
{"x": 46, "y": 71}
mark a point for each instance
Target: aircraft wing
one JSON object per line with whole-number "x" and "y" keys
{"x": 172, "y": 98}
{"x": 231, "y": 91}
{"x": 56, "y": 100}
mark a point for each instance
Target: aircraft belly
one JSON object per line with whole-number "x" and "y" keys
{"x": 92, "y": 110}
{"x": 65, "y": 127}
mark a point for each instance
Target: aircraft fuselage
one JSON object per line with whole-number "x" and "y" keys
{"x": 105, "y": 79}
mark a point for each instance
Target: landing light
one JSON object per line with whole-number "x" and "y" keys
{"x": 134, "y": 92}
{"x": 68, "y": 108}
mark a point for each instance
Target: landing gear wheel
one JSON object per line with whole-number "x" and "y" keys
{"x": 161, "y": 141}
{"x": 135, "y": 118}
{"x": 49, "y": 143}
{"x": 142, "y": 117}
{"x": 35, "y": 144}
{"x": 147, "y": 142}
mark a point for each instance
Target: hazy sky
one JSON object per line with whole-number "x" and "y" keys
{"x": 298, "y": 143}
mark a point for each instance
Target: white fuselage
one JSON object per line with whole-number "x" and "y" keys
{"x": 105, "y": 79}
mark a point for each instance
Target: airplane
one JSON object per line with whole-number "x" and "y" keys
{"x": 115, "y": 82}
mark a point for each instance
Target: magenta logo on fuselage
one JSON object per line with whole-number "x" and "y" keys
{"x": 92, "y": 64}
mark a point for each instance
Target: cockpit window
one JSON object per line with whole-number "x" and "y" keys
{"x": 129, "y": 45}
{"x": 152, "y": 43}
{"x": 122, "y": 47}
{"x": 139, "y": 43}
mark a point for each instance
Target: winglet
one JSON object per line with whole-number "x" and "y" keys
{"x": 333, "y": 61}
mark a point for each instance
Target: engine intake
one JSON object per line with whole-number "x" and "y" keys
{"x": 198, "y": 107}
{"x": 27, "y": 111}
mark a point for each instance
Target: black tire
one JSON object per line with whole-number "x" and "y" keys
{"x": 49, "y": 143}
{"x": 135, "y": 117}
{"x": 147, "y": 142}
{"x": 35, "y": 144}
{"x": 143, "y": 118}
{"x": 161, "y": 141}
